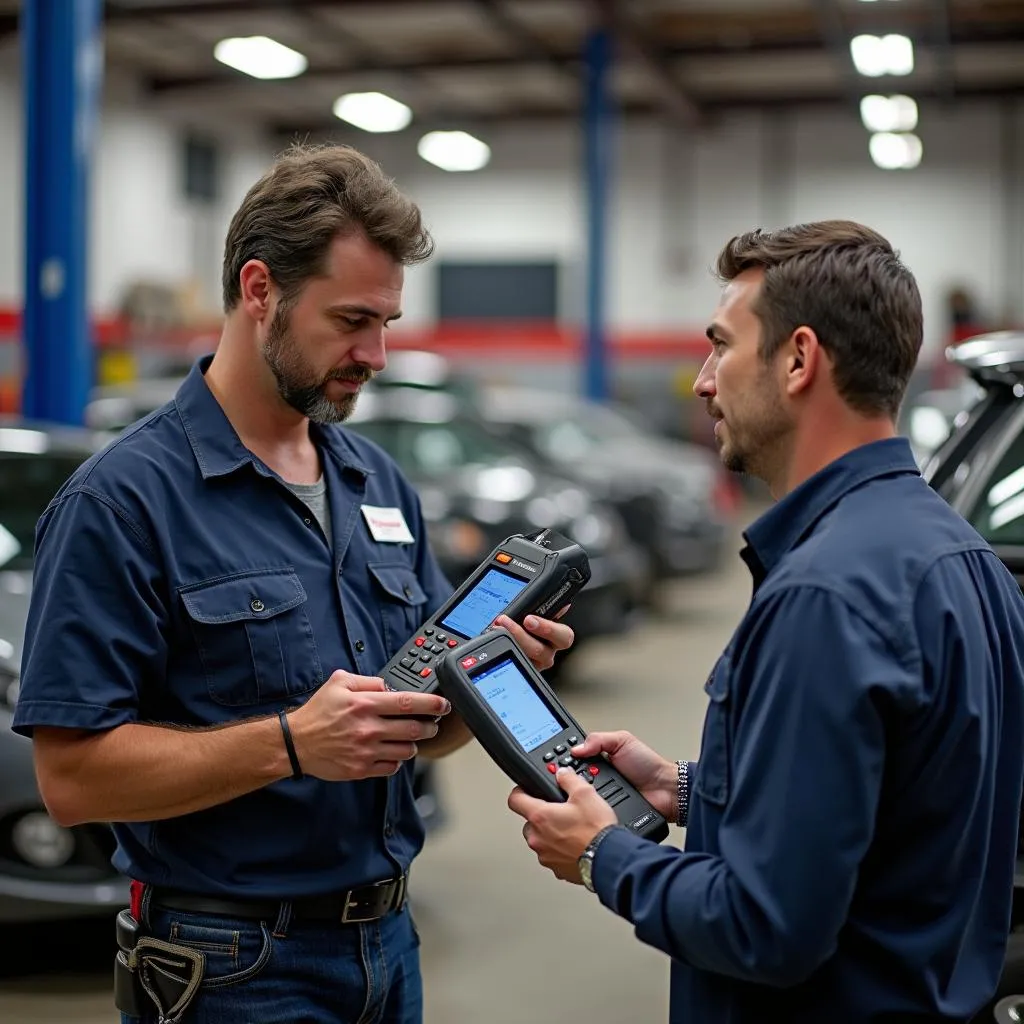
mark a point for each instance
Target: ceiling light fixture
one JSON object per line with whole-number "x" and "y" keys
{"x": 874, "y": 56}
{"x": 895, "y": 151}
{"x": 888, "y": 113}
{"x": 454, "y": 151}
{"x": 372, "y": 111}
{"x": 261, "y": 57}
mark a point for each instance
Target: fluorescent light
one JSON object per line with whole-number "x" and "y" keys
{"x": 261, "y": 57}
{"x": 874, "y": 56}
{"x": 888, "y": 113}
{"x": 894, "y": 151}
{"x": 372, "y": 111}
{"x": 454, "y": 151}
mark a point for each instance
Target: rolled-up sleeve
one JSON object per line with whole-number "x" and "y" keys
{"x": 805, "y": 760}
{"x": 97, "y": 618}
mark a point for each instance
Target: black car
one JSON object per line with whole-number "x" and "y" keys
{"x": 979, "y": 470}
{"x": 476, "y": 488}
{"x": 46, "y": 870}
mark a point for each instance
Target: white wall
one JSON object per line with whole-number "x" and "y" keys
{"x": 957, "y": 219}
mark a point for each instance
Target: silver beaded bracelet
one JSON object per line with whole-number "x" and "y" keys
{"x": 682, "y": 793}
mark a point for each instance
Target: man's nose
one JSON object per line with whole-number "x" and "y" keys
{"x": 371, "y": 350}
{"x": 704, "y": 385}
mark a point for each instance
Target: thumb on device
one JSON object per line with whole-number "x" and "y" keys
{"x": 570, "y": 781}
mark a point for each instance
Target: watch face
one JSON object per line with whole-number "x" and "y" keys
{"x": 586, "y": 863}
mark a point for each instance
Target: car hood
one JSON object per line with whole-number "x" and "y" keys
{"x": 15, "y": 588}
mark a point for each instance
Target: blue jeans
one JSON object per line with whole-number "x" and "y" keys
{"x": 297, "y": 972}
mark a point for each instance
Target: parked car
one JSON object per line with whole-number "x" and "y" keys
{"x": 979, "y": 470}
{"x": 477, "y": 488}
{"x": 675, "y": 498}
{"x": 46, "y": 871}
{"x": 931, "y": 416}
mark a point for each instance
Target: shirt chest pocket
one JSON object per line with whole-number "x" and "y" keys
{"x": 713, "y": 769}
{"x": 254, "y": 636}
{"x": 401, "y": 600}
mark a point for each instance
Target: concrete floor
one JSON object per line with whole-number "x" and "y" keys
{"x": 503, "y": 940}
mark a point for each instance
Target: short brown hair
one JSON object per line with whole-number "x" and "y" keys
{"x": 847, "y": 283}
{"x": 310, "y": 196}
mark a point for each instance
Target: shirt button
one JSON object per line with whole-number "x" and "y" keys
{"x": 407, "y": 590}
{"x": 360, "y": 646}
{"x": 256, "y": 605}
{"x": 389, "y": 830}
{"x": 308, "y": 522}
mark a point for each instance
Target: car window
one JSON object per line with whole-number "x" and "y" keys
{"x": 998, "y": 514}
{"x": 29, "y": 482}
{"x": 436, "y": 447}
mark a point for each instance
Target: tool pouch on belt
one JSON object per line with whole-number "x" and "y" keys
{"x": 165, "y": 974}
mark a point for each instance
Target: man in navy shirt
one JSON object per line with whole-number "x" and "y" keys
{"x": 852, "y": 819}
{"x": 214, "y": 595}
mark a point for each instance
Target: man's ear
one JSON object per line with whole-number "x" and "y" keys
{"x": 257, "y": 288}
{"x": 803, "y": 360}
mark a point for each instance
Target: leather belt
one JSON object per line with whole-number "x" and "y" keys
{"x": 354, "y": 906}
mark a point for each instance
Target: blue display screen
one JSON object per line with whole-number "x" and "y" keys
{"x": 509, "y": 694}
{"x": 483, "y": 604}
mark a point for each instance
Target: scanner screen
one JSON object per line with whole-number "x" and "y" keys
{"x": 509, "y": 694}
{"x": 483, "y": 604}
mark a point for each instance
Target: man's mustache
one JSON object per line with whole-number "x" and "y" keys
{"x": 354, "y": 375}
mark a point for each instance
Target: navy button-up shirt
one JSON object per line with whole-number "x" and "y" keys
{"x": 853, "y": 822}
{"x": 178, "y": 580}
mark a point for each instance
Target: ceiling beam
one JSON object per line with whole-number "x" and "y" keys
{"x": 833, "y": 100}
{"x": 943, "y": 42}
{"x": 626, "y": 33}
{"x": 528, "y": 45}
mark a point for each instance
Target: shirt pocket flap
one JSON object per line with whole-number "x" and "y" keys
{"x": 248, "y": 596}
{"x": 399, "y": 581}
{"x": 717, "y": 686}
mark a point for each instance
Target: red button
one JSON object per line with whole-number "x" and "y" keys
{"x": 453, "y": 643}
{"x": 593, "y": 769}
{"x": 424, "y": 672}
{"x": 468, "y": 662}
{"x": 553, "y": 768}
{"x": 420, "y": 641}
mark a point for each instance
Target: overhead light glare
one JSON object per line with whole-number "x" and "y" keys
{"x": 888, "y": 113}
{"x": 261, "y": 57}
{"x": 895, "y": 151}
{"x": 874, "y": 56}
{"x": 372, "y": 111}
{"x": 454, "y": 151}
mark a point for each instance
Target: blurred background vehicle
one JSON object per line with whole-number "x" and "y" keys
{"x": 676, "y": 500}
{"x": 45, "y": 870}
{"x": 477, "y": 488}
{"x": 979, "y": 470}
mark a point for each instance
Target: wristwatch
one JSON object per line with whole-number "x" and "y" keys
{"x": 586, "y": 859}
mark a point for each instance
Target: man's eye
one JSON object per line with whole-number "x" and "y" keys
{"x": 358, "y": 322}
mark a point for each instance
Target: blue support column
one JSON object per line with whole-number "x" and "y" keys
{"x": 598, "y": 147}
{"x": 63, "y": 61}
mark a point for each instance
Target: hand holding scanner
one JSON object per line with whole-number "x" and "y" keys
{"x": 522, "y": 576}
{"x": 528, "y": 731}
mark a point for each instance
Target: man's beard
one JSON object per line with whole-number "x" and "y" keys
{"x": 296, "y": 382}
{"x": 754, "y": 439}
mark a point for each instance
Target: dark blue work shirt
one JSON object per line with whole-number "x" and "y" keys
{"x": 853, "y": 822}
{"x": 178, "y": 580}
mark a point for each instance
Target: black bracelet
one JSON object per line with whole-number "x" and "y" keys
{"x": 289, "y": 743}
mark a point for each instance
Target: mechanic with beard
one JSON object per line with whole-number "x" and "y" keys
{"x": 852, "y": 818}
{"x": 214, "y": 594}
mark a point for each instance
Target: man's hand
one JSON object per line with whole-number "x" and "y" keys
{"x": 354, "y": 728}
{"x": 559, "y": 832}
{"x": 655, "y": 777}
{"x": 542, "y": 639}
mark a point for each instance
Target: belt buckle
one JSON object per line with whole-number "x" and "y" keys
{"x": 351, "y": 906}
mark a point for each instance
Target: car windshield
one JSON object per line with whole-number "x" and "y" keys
{"x": 998, "y": 515}
{"x": 431, "y": 448}
{"x": 29, "y": 482}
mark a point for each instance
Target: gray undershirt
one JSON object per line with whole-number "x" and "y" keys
{"x": 314, "y": 497}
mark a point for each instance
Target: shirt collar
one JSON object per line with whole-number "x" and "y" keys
{"x": 789, "y": 520}
{"x": 218, "y": 449}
